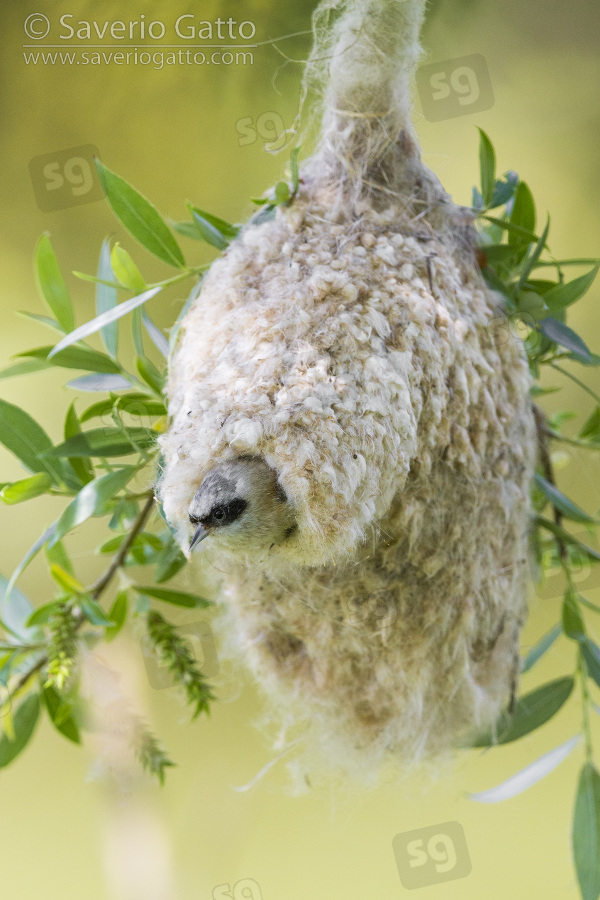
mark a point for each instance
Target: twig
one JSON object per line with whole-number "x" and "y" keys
{"x": 102, "y": 583}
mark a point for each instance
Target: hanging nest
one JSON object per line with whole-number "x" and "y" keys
{"x": 352, "y": 345}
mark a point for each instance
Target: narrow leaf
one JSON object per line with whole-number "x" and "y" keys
{"x": 27, "y": 440}
{"x": 26, "y": 489}
{"x": 94, "y": 383}
{"x": 561, "y": 502}
{"x": 111, "y": 315}
{"x": 140, "y": 217}
{"x": 125, "y": 270}
{"x": 24, "y": 721}
{"x": 105, "y": 442}
{"x": 74, "y": 358}
{"x": 51, "y": 283}
{"x": 177, "y": 598}
{"x": 156, "y": 335}
{"x": 209, "y": 232}
{"x": 106, "y": 299}
{"x": 565, "y": 336}
{"x": 528, "y": 776}
{"x": 563, "y": 295}
{"x": 118, "y": 615}
{"x": 91, "y": 499}
{"x": 487, "y": 167}
{"x": 541, "y": 647}
{"x": 523, "y": 214}
{"x": 586, "y": 832}
{"x": 60, "y": 714}
{"x": 531, "y": 711}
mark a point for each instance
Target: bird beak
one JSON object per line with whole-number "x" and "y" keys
{"x": 199, "y": 535}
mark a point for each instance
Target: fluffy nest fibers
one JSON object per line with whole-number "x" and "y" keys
{"x": 355, "y": 348}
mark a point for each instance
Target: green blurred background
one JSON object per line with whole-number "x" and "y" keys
{"x": 172, "y": 132}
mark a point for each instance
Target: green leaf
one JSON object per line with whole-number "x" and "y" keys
{"x": 586, "y": 832}
{"x": 568, "y": 538}
{"x": 156, "y": 335}
{"x": 106, "y": 442}
{"x": 487, "y": 167}
{"x": 82, "y": 467}
{"x": 531, "y": 260}
{"x": 91, "y": 499}
{"x": 140, "y": 217}
{"x": 150, "y": 374}
{"x": 591, "y": 428}
{"x": 532, "y": 303}
{"x": 15, "y": 610}
{"x": 538, "y": 650}
{"x": 27, "y": 440}
{"x": 572, "y": 621}
{"x": 566, "y": 337}
{"x": 170, "y": 561}
{"x": 60, "y": 714}
{"x": 118, "y": 615}
{"x": 42, "y": 614}
{"x": 74, "y": 358}
{"x": 106, "y": 299}
{"x": 522, "y": 215}
{"x": 65, "y": 580}
{"x": 562, "y": 503}
{"x": 563, "y": 295}
{"x": 504, "y": 190}
{"x": 24, "y": 368}
{"x": 282, "y": 193}
{"x": 135, "y": 404}
{"x": 177, "y": 598}
{"x": 99, "y": 383}
{"x": 51, "y": 283}
{"x": 531, "y": 711}
{"x": 210, "y": 233}
{"x": 126, "y": 270}
{"x": 94, "y": 612}
{"x": 24, "y": 722}
{"x": 591, "y": 655}
{"x": 31, "y": 553}
{"x": 42, "y": 320}
{"x": 101, "y": 321}
{"x": 26, "y": 488}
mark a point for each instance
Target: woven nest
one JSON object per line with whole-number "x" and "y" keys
{"x": 355, "y": 348}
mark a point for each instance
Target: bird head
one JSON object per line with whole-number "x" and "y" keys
{"x": 241, "y": 507}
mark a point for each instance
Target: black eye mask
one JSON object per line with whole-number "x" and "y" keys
{"x": 223, "y": 514}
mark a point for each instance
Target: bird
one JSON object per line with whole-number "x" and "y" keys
{"x": 241, "y": 505}
{"x": 351, "y": 438}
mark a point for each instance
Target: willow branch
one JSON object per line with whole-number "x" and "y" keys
{"x": 100, "y": 586}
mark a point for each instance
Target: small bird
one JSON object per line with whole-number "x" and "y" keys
{"x": 242, "y": 506}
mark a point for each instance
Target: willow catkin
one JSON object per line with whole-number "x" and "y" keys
{"x": 352, "y": 344}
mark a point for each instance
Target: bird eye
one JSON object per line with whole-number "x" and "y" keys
{"x": 225, "y": 515}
